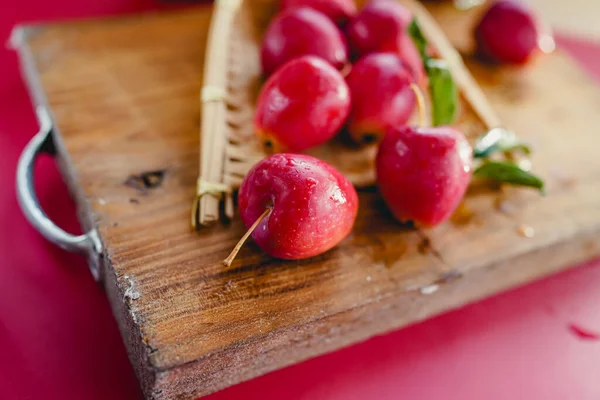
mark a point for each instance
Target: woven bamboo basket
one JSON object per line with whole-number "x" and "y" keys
{"x": 232, "y": 81}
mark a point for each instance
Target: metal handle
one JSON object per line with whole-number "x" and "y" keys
{"x": 88, "y": 244}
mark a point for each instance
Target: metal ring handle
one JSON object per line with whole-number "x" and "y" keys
{"x": 87, "y": 244}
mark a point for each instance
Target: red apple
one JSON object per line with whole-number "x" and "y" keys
{"x": 423, "y": 173}
{"x": 382, "y": 26}
{"x": 296, "y": 206}
{"x": 303, "y": 104}
{"x": 509, "y": 33}
{"x": 410, "y": 55}
{"x": 381, "y": 96}
{"x": 302, "y": 31}
{"x": 339, "y": 11}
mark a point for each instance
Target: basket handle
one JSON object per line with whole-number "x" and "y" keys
{"x": 87, "y": 244}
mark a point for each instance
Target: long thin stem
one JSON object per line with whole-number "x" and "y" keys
{"x": 227, "y": 262}
{"x": 420, "y": 103}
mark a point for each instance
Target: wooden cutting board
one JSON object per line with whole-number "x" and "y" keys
{"x": 124, "y": 95}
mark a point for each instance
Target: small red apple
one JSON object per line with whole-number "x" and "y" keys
{"x": 302, "y": 31}
{"x": 382, "y": 26}
{"x": 302, "y": 105}
{"x": 381, "y": 96}
{"x": 296, "y": 206}
{"x": 339, "y": 11}
{"x": 423, "y": 173}
{"x": 410, "y": 55}
{"x": 509, "y": 33}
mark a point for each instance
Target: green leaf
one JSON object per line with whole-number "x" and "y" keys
{"x": 498, "y": 140}
{"x": 508, "y": 172}
{"x": 414, "y": 30}
{"x": 443, "y": 92}
{"x": 442, "y": 89}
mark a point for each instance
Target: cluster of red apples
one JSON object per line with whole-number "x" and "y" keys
{"x": 331, "y": 67}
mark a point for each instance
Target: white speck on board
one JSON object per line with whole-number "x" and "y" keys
{"x": 131, "y": 292}
{"x": 430, "y": 289}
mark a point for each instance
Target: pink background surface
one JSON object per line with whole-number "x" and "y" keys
{"x": 58, "y": 339}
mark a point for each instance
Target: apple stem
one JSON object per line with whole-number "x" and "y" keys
{"x": 420, "y": 103}
{"x": 227, "y": 262}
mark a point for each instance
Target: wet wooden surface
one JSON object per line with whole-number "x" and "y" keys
{"x": 124, "y": 95}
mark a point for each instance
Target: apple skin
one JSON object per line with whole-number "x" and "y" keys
{"x": 303, "y": 104}
{"x": 423, "y": 173}
{"x": 381, "y": 96}
{"x": 382, "y": 26}
{"x": 302, "y": 31}
{"x": 340, "y": 11}
{"x": 313, "y": 205}
{"x": 508, "y": 33}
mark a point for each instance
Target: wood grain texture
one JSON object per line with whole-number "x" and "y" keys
{"x": 124, "y": 96}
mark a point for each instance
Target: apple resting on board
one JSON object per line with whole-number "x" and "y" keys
{"x": 381, "y": 96}
{"x": 509, "y": 33}
{"x": 296, "y": 206}
{"x": 302, "y": 31}
{"x": 302, "y": 105}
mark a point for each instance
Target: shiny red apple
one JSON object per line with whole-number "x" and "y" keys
{"x": 509, "y": 33}
{"x": 302, "y": 105}
{"x": 296, "y": 206}
{"x": 302, "y": 31}
{"x": 382, "y": 26}
{"x": 339, "y": 11}
{"x": 423, "y": 172}
{"x": 381, "y": 96}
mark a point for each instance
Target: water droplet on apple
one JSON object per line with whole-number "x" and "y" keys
{"x": 338, "y": 196}
{"x": 401, "y": 148}
{"x": 311, "y": 182}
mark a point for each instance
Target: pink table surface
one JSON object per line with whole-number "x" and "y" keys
{"x": 58, "y": 339}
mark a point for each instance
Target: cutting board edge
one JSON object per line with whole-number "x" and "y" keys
{"x": 484, "y": 283}
{"x": 138, "y": 352}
